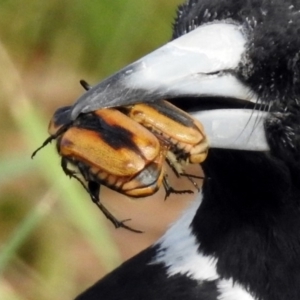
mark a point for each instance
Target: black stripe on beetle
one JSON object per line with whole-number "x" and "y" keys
{"x": 114, "y": 135}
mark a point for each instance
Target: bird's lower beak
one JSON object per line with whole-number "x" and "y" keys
{"x": 201, "y": 63}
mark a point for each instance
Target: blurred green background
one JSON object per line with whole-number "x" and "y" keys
{"x": 54, "y": 242}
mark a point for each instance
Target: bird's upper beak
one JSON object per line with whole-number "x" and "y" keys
{"x": 201, "y": 63}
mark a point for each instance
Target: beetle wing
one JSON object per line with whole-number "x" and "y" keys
{"x": 87, "y": 146}
{"x": 134, "y": 136}
{"x": 165, "y": 118}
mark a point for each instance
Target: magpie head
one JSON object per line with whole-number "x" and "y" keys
{"x": 243, "y": 55}
{"x": 270, "y": 63}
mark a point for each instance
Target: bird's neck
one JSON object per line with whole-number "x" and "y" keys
{"x": 249, "y": 222}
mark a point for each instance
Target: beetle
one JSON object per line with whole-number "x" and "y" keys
{"x": 107, "y": 147}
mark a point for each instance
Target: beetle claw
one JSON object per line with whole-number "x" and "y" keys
{"x": 94, "y": 190}
{"x": 120, "y": 224}
{"x": 114, "y": 220}
{"x": 169, "y": 190}
{"x": 190, "y": 178}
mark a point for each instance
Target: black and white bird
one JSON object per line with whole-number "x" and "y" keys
{"x": 236, "y": 65}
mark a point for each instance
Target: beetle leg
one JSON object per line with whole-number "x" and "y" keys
{"x": 85, "y": 85}
{"x": 67, "y": 171}
{"x": 190, "y": 178}
{"x": 172, "y": 166}
{"x": 192, "y": 175}
{"x": 72, "y": 174}
{"x": 94, "y": 190}
{"x": 175, "y": 168}
{"x": 169, "y": 190}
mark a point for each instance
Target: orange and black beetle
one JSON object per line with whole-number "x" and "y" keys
{"x": 107, "y": 147}
{"x": 125, "y": 148}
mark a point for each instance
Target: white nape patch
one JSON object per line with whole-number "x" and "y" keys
{"x": 232, "y": 291}
{"x": 178, "y": 249}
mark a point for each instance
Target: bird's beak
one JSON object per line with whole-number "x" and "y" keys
{"x": 201, "y": 63}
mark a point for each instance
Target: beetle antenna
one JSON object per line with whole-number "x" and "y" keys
{"x": 50, "y": 138}
{"x": 46, "y": 142}
{"x": 85, "y": 85}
